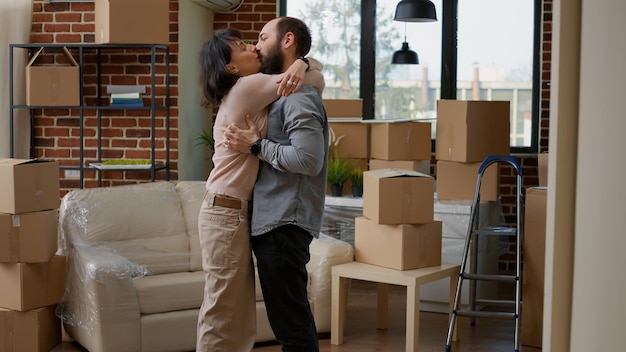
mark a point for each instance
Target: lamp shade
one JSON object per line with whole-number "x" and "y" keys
{"x": 405, "y": 56}
{"x": 415, "y": 11}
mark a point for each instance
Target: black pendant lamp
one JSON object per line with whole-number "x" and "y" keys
{"x": 415, "y": 11}
{"x": 405, "y": 56}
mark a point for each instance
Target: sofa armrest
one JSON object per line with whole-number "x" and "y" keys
{"x": 100, "y": 307}
{"x": 325, "y": 252}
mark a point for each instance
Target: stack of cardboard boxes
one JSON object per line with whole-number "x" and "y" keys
{"x": 397, "y": 229}
{"x": 32, "y": 277}
{"x": 468, "y": 132}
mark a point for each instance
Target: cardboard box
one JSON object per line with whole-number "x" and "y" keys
{"x": 422, "y": 166}
{"x": 400, "y": 247}
{"x": 349, "y": 138}
{"x": 28, "y": 185}
{"x": 132, "y": 21}
{"x": 534, "y": 247}
{"x": 542, "y": 169}
{"x": 457, "y": 181}
{"x": 28, "y": 237}
{"x": 405, "y": 140}
{"x": 53, "y": 85}
{"x": 352, "y": 108}
{"x": 27, "y": 286}
{"x": 37, "y": 330}
{"x": 393, "y": 196}
{"x": 469, "y": 131}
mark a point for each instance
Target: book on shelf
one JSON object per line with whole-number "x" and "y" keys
{"x": 125, "y": 88}
{"x": 134, "y": 95}
{"x": 127, "y": 102}
{"x": 126, "y": 95}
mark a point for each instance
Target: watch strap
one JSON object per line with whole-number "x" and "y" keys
{"x": 306, "y": 61}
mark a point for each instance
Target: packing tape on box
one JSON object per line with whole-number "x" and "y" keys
{"x": 408, "y": 133}
{"x": 14, "y": 238}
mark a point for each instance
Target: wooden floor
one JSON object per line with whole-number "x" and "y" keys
{"x": 488, "y": 335}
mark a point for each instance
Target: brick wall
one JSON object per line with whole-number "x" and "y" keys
{"x": 249, "y": 18}
{"x": 126, "y": 134}
{"x": 529, "y": 163}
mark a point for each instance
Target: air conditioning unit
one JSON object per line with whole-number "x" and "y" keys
{"x": 220, "y": 5}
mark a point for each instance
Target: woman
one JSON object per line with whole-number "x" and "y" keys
{"x": 230, "y": 77}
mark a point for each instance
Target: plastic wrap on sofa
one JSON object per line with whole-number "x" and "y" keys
{"x": 93, "y": 265}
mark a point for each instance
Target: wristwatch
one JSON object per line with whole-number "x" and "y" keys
{"x": 255, "y": 148}
{"x": 306, "y": 61}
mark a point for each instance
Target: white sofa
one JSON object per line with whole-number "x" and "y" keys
{"x": 135, "y": 280}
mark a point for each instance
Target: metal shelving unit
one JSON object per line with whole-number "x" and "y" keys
{"x": 99, "y": 49}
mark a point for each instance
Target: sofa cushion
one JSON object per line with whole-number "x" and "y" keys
{"x": 170, "y": 292}
{"x": 143, "y": 222}
{"x": 191, "y": 194}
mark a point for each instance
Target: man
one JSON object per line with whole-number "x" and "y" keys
{"x": 288, "y": 199}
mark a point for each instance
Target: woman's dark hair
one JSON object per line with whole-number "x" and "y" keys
{"x": 215, "y": 54}
{"x": 300, "y": 30}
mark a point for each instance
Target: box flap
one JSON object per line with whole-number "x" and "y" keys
{"x": 389, "y": 173}
{"x": 13, "y": 162}
{"x": 32, "y": 59}
{"x": 66, "y": 52}
{"x": 69, "y": 56}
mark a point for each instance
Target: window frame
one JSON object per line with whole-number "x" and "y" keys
{"x": 449, "y": 57}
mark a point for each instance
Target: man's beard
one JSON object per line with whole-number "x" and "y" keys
{"x": 273, "y": 62}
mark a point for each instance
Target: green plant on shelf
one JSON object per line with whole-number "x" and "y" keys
{"x": 339, "y": 170}
{"x": 356, "y": 177}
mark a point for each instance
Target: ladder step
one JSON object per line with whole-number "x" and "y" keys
{"x": 496, "y": 230}
{"x": 485, "y": 277}
{"x": 495, "y": 302}
{"x": 480, "y": 314}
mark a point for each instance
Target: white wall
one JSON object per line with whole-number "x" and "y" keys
{"x": 195, "y": 26}
{"x": 586, "y": 225}
{"x": 15, "y": 22}
{"x": 599, "y": 306}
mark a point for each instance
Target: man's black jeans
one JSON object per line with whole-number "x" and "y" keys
{"x": 282, "y": 255}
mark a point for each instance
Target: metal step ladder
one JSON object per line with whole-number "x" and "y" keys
{"x": 474, "y": 233}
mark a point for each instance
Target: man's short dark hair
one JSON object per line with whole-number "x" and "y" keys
{"x": 300, "y": 30}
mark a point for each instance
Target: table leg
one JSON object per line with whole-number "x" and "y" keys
{"x": 412, "y": 318}
{"x": 382, "y": 305}
{"x": 454, "y": 278}
{"x": 339, "y": 297}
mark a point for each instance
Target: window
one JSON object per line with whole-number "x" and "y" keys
{"x": 336, "y": 41}
{"x": 490, "y": 53}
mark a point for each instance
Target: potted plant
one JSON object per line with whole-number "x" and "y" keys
{"x": 206, "y": 139}
{"x": 356, "y": 178}
{"x": 339, "y": 170}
